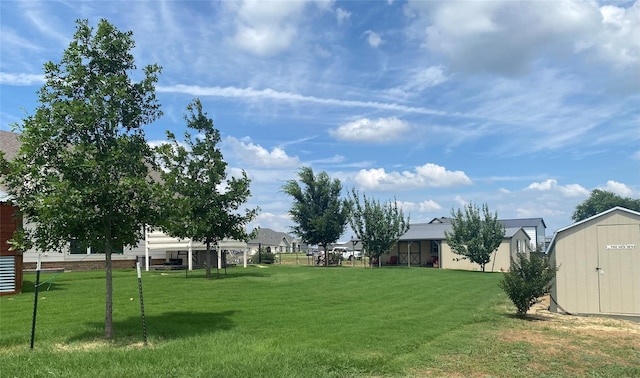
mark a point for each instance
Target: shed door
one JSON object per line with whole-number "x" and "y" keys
{"x": 619, "y": 268}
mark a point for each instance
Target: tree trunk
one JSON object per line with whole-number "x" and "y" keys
{"x": 108, "y": 315}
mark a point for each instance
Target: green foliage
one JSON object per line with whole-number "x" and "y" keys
{"x": 602, "y": 200}
{"x": 378, "y": 226}
{"x": 264, "y": 256}
{"x": 202, "y": 204}
{"x": 319, "y": 214}
{"x": 474, "y": 237}
{"x": 529, "y": 279}
{"x": 82, "y": 171}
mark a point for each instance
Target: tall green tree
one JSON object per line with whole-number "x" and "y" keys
{"x": 377, "y": 225}
{"x": 82, "y": 171}
{"x": 319, "y": 212}
{"x": 202, "y": 203}
{"x": 602, "y": 200}
{"x": 474, "y": 236}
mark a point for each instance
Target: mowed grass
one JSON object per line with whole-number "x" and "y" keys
{"x": 293, "y": 321}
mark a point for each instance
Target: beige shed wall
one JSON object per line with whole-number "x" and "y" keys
{"x": 500, "y": 260}
{"x": 576, "y": 287}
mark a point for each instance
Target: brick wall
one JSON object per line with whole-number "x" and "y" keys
{"x": 89, "y": 265}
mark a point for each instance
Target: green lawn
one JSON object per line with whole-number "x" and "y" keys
{"x": 290, "y": 321}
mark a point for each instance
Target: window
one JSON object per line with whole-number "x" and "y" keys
{"x": 77, "y": 247}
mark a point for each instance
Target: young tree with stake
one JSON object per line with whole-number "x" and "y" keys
{"x": 82, "y": 171}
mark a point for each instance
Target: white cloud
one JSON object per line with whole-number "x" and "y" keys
{"x": 461, "y": 201}
{"x": 430, "y": 205}
{"x": 426, "y": 176}
{"x": 551, "y": 185}
{"x": 258, "y": 156}
{"x": 618, "y": 188}
{"x": 265, "y": 28}
{"x": 373, "y": 38}
{"x": 421, "y": 80}
{"x": 372, "y": 130}
{"x": 342, "y": 15}
{"x": 7, "y": 78}
{"x": 507, "y": 37}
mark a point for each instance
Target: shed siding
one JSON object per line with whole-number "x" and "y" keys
{"x": 578, "y": 287}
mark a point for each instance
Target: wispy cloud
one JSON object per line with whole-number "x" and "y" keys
{"x": 19, "y": 79}
{"x": 270, "y": 94}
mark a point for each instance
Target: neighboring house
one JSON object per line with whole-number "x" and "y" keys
{"x": 534, "y": 227}
{"x": 424, "y": 244}
{"x": 191, "y": 254}
{"x": 599, "y": 261}
{"x": 275, "y": 242}
{"x": 155, "y": 248}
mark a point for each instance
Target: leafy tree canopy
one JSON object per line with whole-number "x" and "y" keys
{"x": 202, "y": 203}
{"x": 377, "y": 225}
{"x": 473, "y": 236}
{"x": 602, "y": 200}
{"x": 319, "y": 214}
{"x": 82, "y": 171}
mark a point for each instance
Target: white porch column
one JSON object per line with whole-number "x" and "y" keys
{"x": 245, "y": 257}
{"x": 146, "y": 249}
{"x": 190, "y": 254}
{"x": 219, "y": 257}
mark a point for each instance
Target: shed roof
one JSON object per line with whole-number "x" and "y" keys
{"x": 617, "y": 208}
{"x": 436, "y": 231}
{"x": 424, "y": 231}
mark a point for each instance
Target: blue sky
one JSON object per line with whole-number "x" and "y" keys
{"x": 526, "y": 106}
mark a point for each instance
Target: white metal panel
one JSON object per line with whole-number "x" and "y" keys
{"x": 7, "y": 274}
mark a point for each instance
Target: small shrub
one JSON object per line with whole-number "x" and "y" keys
{"x": 263, "y": 257}
{"x": 529, "y": 279}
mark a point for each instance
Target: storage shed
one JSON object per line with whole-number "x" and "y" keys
{"x": 10, "y": 261}
{"x": 599, "y": 260}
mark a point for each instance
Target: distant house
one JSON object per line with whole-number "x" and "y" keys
{"x": 534, "y": 227}
{"x": 424, "y": 244}
{"x": 275, "y": 242}
{"x": 599, "y": 260}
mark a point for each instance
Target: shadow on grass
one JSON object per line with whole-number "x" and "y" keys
{"x": 46, "y": 284}
{"x": 528, "y": 317}
{"x": 234, "y": 272}
{"x": 168, "y": 325}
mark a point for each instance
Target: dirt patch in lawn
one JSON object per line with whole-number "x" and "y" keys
{"x": 577, "y": 343}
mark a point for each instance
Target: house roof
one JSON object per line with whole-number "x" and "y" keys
{"x": 617, "y": 208}
{"x": 522, "y": 222}
{"x": 9, "y": 144}
{"x": 510, "y": 232}
{"x": 268, "y": 236}
{"x": 436, "y": 231}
